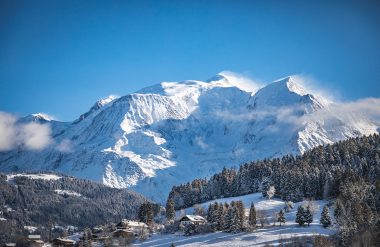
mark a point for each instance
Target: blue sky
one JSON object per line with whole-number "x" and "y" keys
{"x": 59, "y": 57}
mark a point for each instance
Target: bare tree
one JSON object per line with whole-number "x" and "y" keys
{"x": 262, "y": 217}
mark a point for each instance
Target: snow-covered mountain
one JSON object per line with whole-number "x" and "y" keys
{"x": 174, "y": 132}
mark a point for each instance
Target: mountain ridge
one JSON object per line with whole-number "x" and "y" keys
{"x": 172, "y": 132}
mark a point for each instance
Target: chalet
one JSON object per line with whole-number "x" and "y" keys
{"x": 63, "y": 242}
{"x": 130, "y": 225}
{"x": 35, "y": 241}
{"x": 123, "y": 233}
{"x": 192, "y": 219}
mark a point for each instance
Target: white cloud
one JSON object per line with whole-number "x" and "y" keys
{"x": 32, "y": 136}
{"x": 354, "y": 113}
{"x": 200, "y": 142}
{"x": 8, "y": 133}
{"x": 243, "y": 82}
{"x": 65, "y": 146}
{"x": 35, "y": 136}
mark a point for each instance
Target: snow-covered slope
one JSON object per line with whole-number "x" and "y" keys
{"x": 173, "y": 132}
{"x": 262, "y": 236}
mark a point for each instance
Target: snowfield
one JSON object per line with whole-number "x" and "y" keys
{"x": 42, "y": 176}
{"x": 67, "y": 193}
{"x": 267, "y": 235}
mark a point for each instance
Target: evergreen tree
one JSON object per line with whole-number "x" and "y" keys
{"x": 281, "y": 217}
{"x": 300, "y": 216}
{"x": 265, "y": 185}
{"x": 220, "y": 217}
{"x": 325, "y": 217}
{"x": 145, "y": 213}
{"x": 308, "y": 216}
{"x": 235, "y": 221}
{"x": 252, "y": 216}
{"x": 170, "y": 212}
{"x": 240, "y": 214}
{"x": 210, "y": 213}
{"x": 228, "y": 219}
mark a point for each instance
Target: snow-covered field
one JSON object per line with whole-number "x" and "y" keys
{"x": 267, "y": 235}
{"x": 43, "y": 176}
{"x": 67, "y": 192}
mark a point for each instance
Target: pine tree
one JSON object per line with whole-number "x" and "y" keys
{"x": 300, "y": 216}
{"x": 145, "y": 213}
{"x": 265, "y": 187}
{"x": 220, "y": 217}
{"x": 308, "y": 216}
{"x": 228, "y": 219}
{"x": 235, "y": 221}
{"x": 281, "y": 217}
{"x": 252, "y": 216}
{"x": 240, "y": 214}
{"x": 210, "y": 212}
{"x": 170, "y": 212}
{"x": 325, "y": 217}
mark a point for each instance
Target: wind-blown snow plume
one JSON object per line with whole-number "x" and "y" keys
{"x": 32, "y": 136}
{"x": 245, "y": 83}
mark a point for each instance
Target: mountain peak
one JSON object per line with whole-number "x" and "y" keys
{"x": 289, "y": 84}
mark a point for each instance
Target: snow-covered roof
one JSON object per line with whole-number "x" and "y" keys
{"x": 131, "y": 223}
{"x": 193, "y": 218}
{"x": 64, "y": 240}
{"x": 34, "y": 236}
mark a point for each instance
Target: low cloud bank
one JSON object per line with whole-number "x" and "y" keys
{"x": 32, "y": 136}
{"x": 353, "y": 113}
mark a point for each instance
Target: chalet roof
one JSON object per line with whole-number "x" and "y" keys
{"x": 10, "y": 244}
{"x": 34, "y": 236}
{"x": 130, "y": 223}
{"x": 64, "y": 240}
{"x": 193, "y": 218}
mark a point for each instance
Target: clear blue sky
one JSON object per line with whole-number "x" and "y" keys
{"x": 59, "y": 57}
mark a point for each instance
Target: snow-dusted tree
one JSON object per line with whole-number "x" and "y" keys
{"x": 240, "y": 214}
{"x": 325, "y": 217}
{"x": 270, "y": 192}
{"x": 210, "y": 212}
{"x": 228, "y": 219}
{"x": 252, "y": 216}
{"x": 308, "y": 215}
{"x": 235, "y": 221}
{"x": 265, "y": 184}
{"x": 198, "y": 210}
{"x": 145, "y": 213}
{"x": 300, "y": 216}
{"x": 170, "y": 212}
{"x": 220, "y": 217}
{"x": 281, "y": 217}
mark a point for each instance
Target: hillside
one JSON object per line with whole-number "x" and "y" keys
{"x": 347, "y": 172}
{"x": 262, "y": 236}
{"x": 174, "y": 132}
{"x": 40, "y": 200}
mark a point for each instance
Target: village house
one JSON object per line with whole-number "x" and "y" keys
{"x": 192, "y": 219}
{"x": 63, "y": 242}
{"x": 133, "y": 226}
{"x": 35, "y": 241}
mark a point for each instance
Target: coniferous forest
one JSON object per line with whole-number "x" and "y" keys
{"x": 346, "y": 172}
